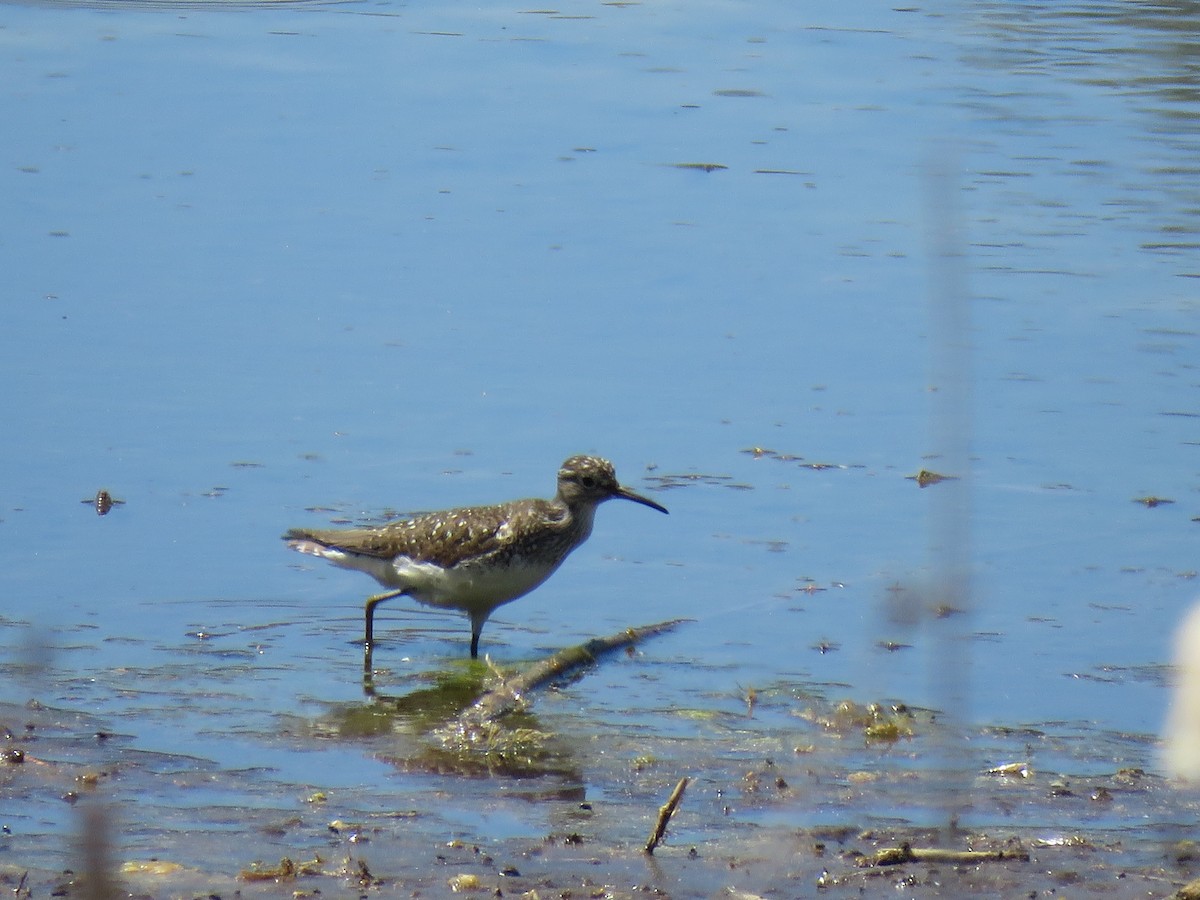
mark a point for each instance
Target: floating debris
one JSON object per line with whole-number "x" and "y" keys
{"x": 103, "y": 501}
{"x": 877, "y": 722}
{"x": 287, "y": 870}
{"x": 924, "y": 478}
{"x": 765, "y": 453}
{"x": 1151, "y": 502}
{"x": 467, "y": 881}
{"x": 703, "y": 167}
{"x": 886, "y": 731}
{"x": 1011, "y": 770}
{"x": 667, "y": 482}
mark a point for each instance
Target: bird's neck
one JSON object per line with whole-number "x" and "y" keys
{"x": 578, "y": 516}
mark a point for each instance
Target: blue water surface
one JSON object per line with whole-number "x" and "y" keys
{"x": 275, "y": 265}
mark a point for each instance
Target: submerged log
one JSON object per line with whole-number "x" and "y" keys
{"x": 477, "y": 724}
{"x": 905, "y": 853}
{"x": 509, "y": 695}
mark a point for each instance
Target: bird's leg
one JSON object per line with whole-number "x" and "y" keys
{"x": 477, "y": 620}
{"x": 369, "y": 636}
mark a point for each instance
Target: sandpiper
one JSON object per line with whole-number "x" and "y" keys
{"x": 475, "y": 558}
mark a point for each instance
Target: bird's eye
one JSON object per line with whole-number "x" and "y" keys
{"x": 588, "y": 481}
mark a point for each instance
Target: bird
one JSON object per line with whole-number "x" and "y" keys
{"x": 473, "y": 558}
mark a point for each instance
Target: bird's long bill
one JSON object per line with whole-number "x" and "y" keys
{"x": 626, "y": 494}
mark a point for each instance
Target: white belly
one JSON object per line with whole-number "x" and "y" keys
{"x": 469, "y": 588}
{"x": 466, "y": 587}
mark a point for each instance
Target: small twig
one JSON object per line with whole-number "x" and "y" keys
{"x": 664, "y": 814}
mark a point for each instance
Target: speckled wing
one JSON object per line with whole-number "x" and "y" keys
{"x": 443, "y": 538}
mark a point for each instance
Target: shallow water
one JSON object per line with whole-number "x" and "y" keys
{"x": 282, "y": 264}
